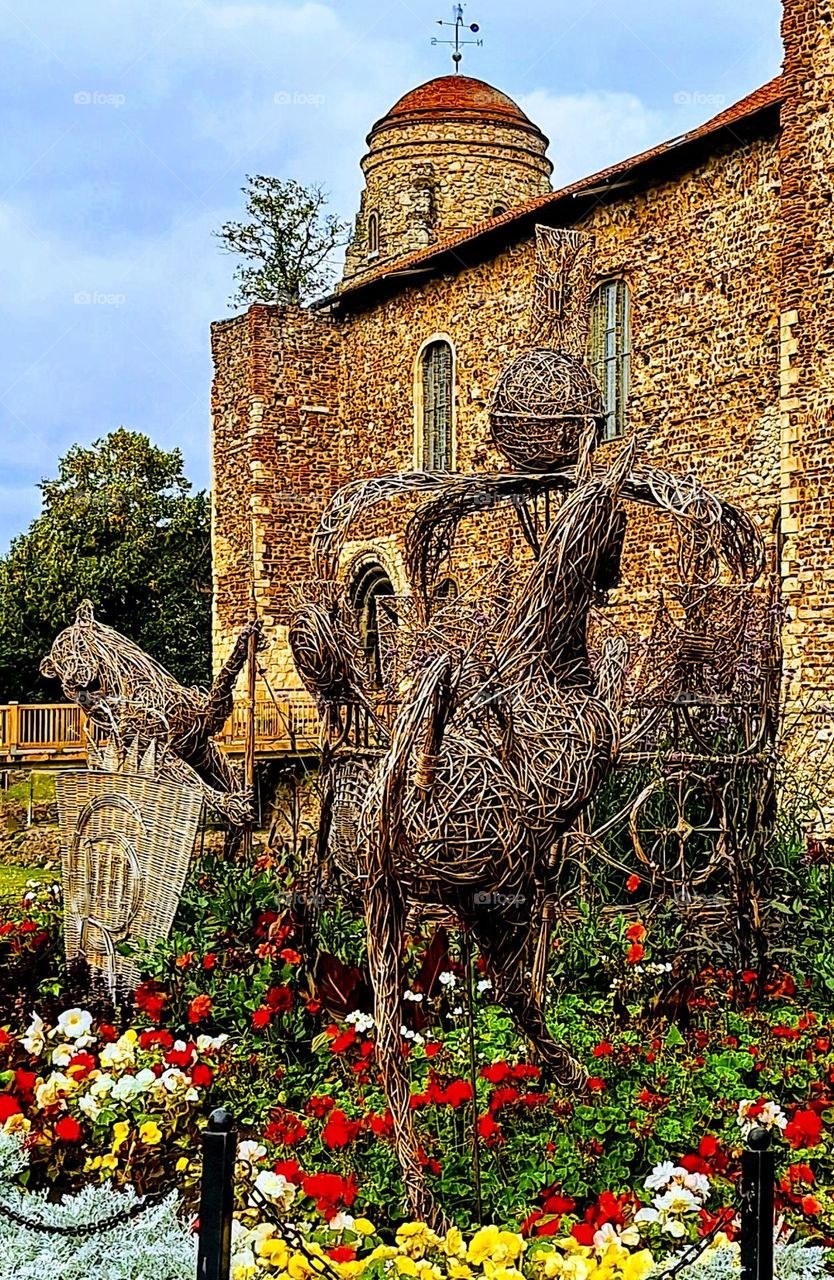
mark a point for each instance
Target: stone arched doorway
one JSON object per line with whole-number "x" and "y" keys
{"x": 370, "y": 586}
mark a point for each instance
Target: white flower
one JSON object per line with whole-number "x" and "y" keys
{"x": 448, "y": 979}
{"x": 342, "y": 1222}
{"x": 126, "y": 1089}
{"x": 174, "y": 1079}
{"x": 244, "y": 1266}
{"x": 74, "y": 1024}
{"x": 677, "y": 1200}
{"x": 34, "y": 1040}
{"x": 457, "y": 1011}
{"x": 673, "y": 1227}
{"x": 119, "y": 1054}
{"x": 90, "y": 1106}
{"x": 698, "y": 1184}
{"x": 62, "y": 1055}
{"x": 768, "y": 1116}
{"x": 361, "y": 1021}
{"x": 485, "y": 984}
{"x": 250, "y": 1152}
{"x": 609, "y": 1234}
{"x": 662, "y": 1174}
{"x": 416, "y": 997}
{"x": 101, "y": 1086}
{"x": 206, "y": 1043}
{"x": 646, "y": 1214}
{"x": 274, "y": 1187}
{"x": 50, "y": 1091}
{"x": 145, "y": 1079}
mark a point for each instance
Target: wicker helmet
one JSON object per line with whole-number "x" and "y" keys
{"x": 541, "y": 404}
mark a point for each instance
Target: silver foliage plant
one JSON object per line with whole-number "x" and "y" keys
{"x": 156, "y": 1245}
{"x": 794, "y": 1261}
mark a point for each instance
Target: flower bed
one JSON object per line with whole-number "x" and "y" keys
{"x": 613, "y": 1180}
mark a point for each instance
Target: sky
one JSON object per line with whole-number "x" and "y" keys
{"x": 128, "y": 130}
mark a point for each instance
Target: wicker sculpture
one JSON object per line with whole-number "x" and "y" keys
{"x": 546, "y": 409}
{"x": 129, "y": 698}
{"x": 127, "y": 840}
{"x": 491, "y": 755}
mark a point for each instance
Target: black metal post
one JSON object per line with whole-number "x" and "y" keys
{"x": 757, "y": 1178}
{"x": 217, "y": 1196}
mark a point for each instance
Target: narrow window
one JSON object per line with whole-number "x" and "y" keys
{"x": 367, "y": 592}
{"x": 610, "y": 351}
{"x": 437, "y": 392}
{"x": 373, "y": 232}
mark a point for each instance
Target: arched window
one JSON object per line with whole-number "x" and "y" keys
{"x": 436, "y": 396}
{"x": 373, "y": 232}
{"x": 369, "y": 587}
{"x": 610, "y": 351}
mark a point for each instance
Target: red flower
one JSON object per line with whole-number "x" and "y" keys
{"x": 489, "y": 1131}
{"x": 344, "y": 1041}
{"x": 199, "y": 1008}
{"x": 201, "y": 1076}
{"x": 68, "y": 1129}
{"x": 596, "y": 1084}
{"x": 279, "y": 999}
{"x": 603, "y": 1049}
{"x": 633, "y": 883}
{"x": 8, "y": 1107}
{"x": 319, "y": 1106}
{"x": 804, "y": 1130}
{"x": 290, "y": 956}
{"x": 290, "y": 1169}
{"x": 636, "y": 932}
{"x": 150, "y": 1000}
{"x": 801, "y": 1173}
{"x": 339, "y": 1130}
{"x": 81, "y": 1065}
{"x": 313, "y": 1006}
{"x": 432, "y": 1049}
{"x": 557, "y": 1203}
{"x": 342, "y": 1253}
{"x": 108, "y": 1033}
{"x": 286, "y": 1128}
{"x": 810, "y": 1206}
{"x": 330, "y": 1192}
{"x": 180, "y": 1057}
{"x": 382, "y": 1126}
{"x": 583, "y": 1233}
{"x": 210, "y": 960}
{"x": 261, "y": 1018}
{"x": 506, "y": 1096}
{"x": 183, "y": 961}
{"x": 534, "y": 1099}
{"x": 25, "y": 1081}
{"x": 149, "y": 1039}
{"x": 497, "y": 1073}
{"x": 457, "y": 1092}
{"x": 635, "y": 953}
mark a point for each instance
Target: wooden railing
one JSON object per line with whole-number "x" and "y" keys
{"x": 54, "y": 732}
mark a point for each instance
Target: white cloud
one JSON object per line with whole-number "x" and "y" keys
{"x": 590, "y": 131}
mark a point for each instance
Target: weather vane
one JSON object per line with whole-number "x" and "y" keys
{"x": 460, "y": 26}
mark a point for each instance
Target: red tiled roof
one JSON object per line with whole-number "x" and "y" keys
{"x": 769, "y": 95}
{"x": 454, "y": 96}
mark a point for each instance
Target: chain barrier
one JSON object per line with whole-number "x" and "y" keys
{"x": 85, "y": 1229}
{"x": 288, "y": 1233}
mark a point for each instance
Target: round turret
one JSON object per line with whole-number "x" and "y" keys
{"x": 449, "y": 154}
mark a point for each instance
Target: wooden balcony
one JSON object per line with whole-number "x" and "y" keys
{"x": 52, "y": 734}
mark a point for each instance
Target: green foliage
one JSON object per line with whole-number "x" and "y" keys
{"x": 121, "y": 527}
{"x": 286, "y": 245}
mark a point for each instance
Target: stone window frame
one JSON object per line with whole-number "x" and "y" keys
{"x": 610, "y": 350}
{"x": 374, "y": 233}
{"x": 419, "y": 440}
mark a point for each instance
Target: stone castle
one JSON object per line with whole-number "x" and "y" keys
{"x": 712, "y": 330}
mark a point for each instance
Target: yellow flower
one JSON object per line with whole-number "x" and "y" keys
{"x": 458, "y": 1270}
{"x": 638, "y": 1265}
{"x": 182, "y": 1164}
{"x": 298, "y": 1268}
{"x": 120, "y": 1131}
{"x": 414, "y": 1238}
{"x": 17, "y": 1124}
{"x": 150, "y": 1133}
{"x": 363, "y": 1227}
{"x": 383, "y": 1253}
{"x": 131, "y": 1035}
{"x": 350, "y": 1270}
{"x": 482, "y": 1244}
{"x": 494, "y": 1246}
{"x": 453, "y": 1245}
{"x": 275, "y": 1251}
{"x": 405, "y": 1266}
{"x": 109, "y": 1163}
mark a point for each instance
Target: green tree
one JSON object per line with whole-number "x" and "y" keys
{"x": 121, "y": 527}
{"x": 286, "y": 244}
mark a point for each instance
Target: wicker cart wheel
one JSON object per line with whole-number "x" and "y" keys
{"x": 678, "y": 832}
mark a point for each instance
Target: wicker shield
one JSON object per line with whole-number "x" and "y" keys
{"x": 127, "y": 840}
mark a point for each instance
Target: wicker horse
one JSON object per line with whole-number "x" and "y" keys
{"x": 490, "y": 762}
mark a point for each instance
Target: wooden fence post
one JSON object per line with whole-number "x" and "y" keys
{"x": 217, "y": 1196}
{"x": 757, "y": 1178}
{"x": 13, "y": 726}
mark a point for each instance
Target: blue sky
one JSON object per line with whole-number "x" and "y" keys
{"x": 128, "y": 129}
